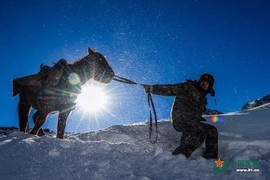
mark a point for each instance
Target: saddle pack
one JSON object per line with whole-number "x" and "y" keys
{"x": 46, "y": 77}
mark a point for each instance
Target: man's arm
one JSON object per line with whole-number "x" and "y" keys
{"x": 166, "y": 90}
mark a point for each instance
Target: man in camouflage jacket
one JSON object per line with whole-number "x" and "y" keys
{"x": 186, "y": 114}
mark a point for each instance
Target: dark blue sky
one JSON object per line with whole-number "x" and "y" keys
{"x": 151, "y": 42}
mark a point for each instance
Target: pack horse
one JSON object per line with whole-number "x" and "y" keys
{"x": 55, "y": 89}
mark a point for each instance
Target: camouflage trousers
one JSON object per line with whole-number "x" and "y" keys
{"x": 194, "y": 134}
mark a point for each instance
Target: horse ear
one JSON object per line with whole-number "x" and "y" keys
{"x": 90, "y": 51}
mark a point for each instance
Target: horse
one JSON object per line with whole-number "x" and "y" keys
{"x": 59, "y": 93}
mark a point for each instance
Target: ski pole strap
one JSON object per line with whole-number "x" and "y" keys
{"x": 152, "y": 107}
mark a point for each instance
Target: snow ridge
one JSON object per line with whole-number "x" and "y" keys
{"x": 125, "y": 152}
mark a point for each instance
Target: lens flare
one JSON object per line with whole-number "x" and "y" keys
{"x": 74, "y": 78}
{"x": 216, "y": 119}
{"x": 92, "y": 99}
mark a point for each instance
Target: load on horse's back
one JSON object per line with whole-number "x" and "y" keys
{"x": 47, "y": 76}
{"x": 56, "y": 89}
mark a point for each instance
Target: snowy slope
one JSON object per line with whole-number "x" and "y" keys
{"x": 124, "y": 152}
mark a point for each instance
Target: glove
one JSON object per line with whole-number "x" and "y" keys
{"x": 147, "y": 88}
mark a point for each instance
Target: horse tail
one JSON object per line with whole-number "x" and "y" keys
{"x": 16, "y": 87}
{"x": 24, "y": 108}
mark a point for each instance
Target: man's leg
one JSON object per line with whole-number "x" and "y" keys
{"x": 211, "y": 141}
{"x": 192, "y": 137}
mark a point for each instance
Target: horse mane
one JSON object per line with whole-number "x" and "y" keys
{"x": 77, "y": 61}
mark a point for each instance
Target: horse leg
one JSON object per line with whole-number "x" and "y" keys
{"x": 35, "y": 119}
{"x": 62, "y": 119}
{"x": 23, "y": 112}
{"x": 40, "y": 120}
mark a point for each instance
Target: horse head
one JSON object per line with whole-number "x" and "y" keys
{"x": 101, "y": 70}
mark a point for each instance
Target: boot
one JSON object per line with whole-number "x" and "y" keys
{"x": 181, "y": 150}
{"x": 209, "y": 155}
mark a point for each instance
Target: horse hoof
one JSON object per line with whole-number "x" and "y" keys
{"x": 60, "y": 137}
{"x": 32, "y": 132}
{"x": 41, "y": 133}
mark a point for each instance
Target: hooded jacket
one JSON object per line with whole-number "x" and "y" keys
{"x": 190, "y": 100}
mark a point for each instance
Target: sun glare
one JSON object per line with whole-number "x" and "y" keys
{"x": 92, "y": 99}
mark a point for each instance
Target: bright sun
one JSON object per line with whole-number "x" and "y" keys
{"x": 92, "y": 99}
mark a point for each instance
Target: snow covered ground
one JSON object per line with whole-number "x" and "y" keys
{"x": 124, "y": 152}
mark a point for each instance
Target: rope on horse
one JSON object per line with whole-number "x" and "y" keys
{"x": 150, "y": 104}
{"x": 123, "y": 80}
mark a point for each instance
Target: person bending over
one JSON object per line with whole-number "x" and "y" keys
{"x": 186, "y": 114}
